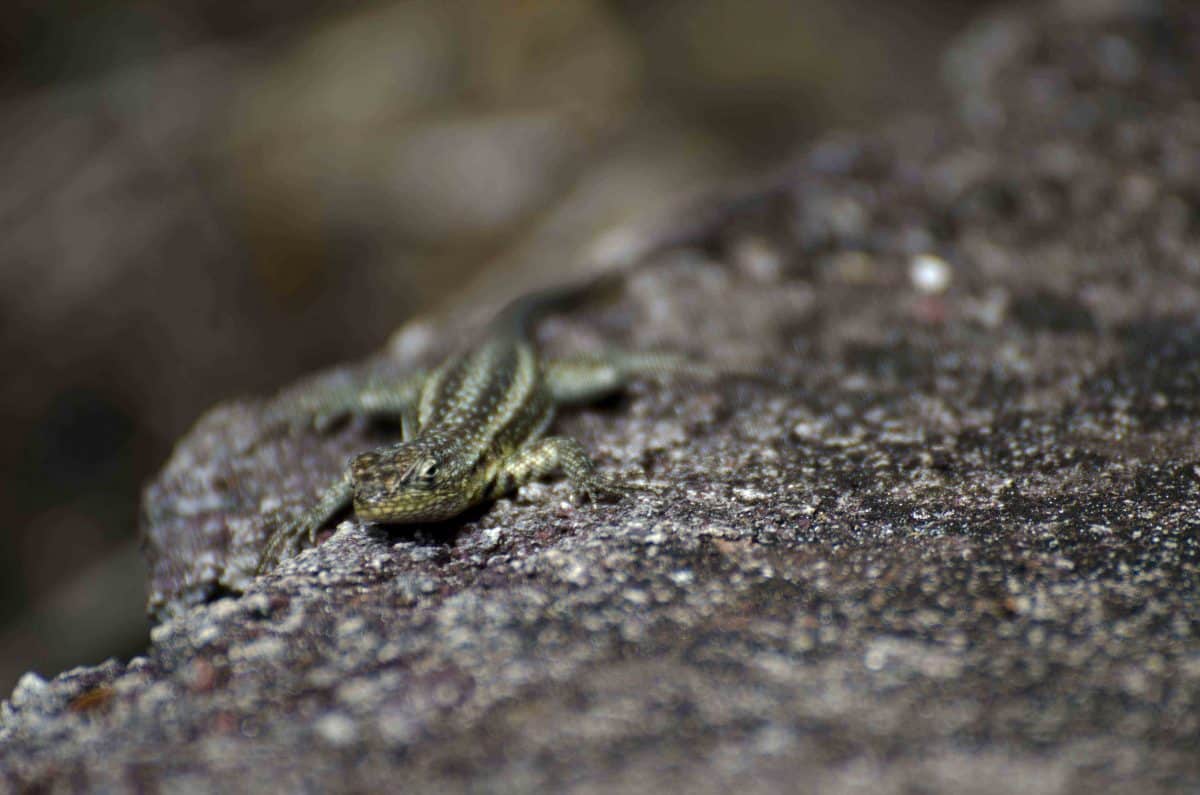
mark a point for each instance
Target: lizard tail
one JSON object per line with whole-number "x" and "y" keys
{"x": 520, "y": 315}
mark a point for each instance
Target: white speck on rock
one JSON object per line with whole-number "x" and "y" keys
{"x": 206, "y": 634}
{"x": 398, "y": 728}
{"x": 682, "y": 577}
{"x": 223, "y": 609}
{"x": 929, "y": 273}
{"x": 637, "y": 596}
{"x": 30, "y": 688}
{"x": 266, "y": 648}
{"x": 336, "y": 729}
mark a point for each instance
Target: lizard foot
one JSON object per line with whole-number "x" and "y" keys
{"x": 287, "y": 540}
{"x": 598, "y": 488}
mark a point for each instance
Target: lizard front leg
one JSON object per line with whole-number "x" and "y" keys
{"x": 288, "y": 539}
{"x": 549, "y": 455}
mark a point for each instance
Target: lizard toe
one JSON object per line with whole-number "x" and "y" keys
{"x": 602, "y": 489}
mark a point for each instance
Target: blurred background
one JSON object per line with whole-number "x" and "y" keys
{"x": 203, "y": 200}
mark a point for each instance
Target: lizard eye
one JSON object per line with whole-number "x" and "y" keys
{"x": 427, "y": 470}
{"x": 421, "y": 473}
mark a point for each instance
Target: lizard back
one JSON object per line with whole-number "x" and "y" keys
{"x": 491, "y": 400}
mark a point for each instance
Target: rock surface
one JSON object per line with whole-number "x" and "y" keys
{"x": 947, "y": 542}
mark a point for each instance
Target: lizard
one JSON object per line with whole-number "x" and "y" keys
{"x": 472, "y": 429}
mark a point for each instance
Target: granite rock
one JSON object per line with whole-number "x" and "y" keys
{"x": 943, "y": 539}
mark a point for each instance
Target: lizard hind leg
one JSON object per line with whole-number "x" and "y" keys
{"x": 552, "y": 454}
{"x": 584, "y": 379}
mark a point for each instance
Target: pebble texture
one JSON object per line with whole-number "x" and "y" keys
{"x": 946, "y": 541}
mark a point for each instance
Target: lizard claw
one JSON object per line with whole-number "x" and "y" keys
{"x": 286, "y": 541}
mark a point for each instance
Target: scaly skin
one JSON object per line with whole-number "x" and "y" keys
{"x": 473, "y": 429}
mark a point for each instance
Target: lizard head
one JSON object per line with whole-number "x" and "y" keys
{"x": 409, "y": 482}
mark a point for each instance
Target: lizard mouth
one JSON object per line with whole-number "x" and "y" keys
{"x": 380, "y": 511}
{"x": 405, "y": 509}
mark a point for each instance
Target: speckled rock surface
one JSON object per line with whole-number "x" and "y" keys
{"x": 946, "y": 543}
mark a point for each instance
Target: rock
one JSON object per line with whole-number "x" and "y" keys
{"x": 946, "y": 541}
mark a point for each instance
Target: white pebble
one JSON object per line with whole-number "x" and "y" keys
{"x": 337, "y": 729}
{"x": 929, "y": 273}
